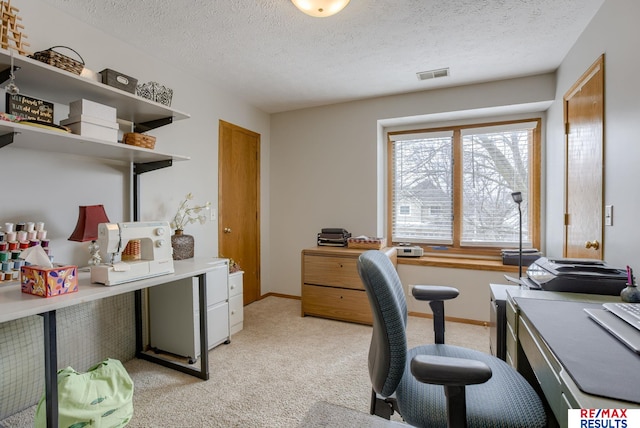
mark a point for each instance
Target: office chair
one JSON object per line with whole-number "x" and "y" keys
{"x": 436, "y": 385}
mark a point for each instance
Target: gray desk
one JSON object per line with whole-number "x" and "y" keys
{"x": 15, "y": 305}
{"x": 529, "y": 351}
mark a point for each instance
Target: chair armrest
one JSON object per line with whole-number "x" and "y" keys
{"x": 434, "y": 292}
{"x": 448, "y": 371}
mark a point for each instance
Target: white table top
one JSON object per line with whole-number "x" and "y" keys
{"x": 15, "y": 304}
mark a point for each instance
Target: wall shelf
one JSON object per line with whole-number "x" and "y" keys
{"x": 49, "y": 83}
{"x": 43, "y": 140}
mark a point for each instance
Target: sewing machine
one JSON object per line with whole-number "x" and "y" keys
{"x": 149, "y": 253}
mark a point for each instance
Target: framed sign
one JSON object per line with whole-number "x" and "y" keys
{"x": 29, "y": 108}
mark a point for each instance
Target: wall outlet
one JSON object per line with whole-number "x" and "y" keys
{"x": 212, "y": 214}
{"x": 608, "y": 215}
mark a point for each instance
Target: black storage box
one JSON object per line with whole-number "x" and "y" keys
{"x": 119, "y": 80}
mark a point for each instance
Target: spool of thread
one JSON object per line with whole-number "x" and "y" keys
{"x": 31, "y": 235}
{"x": 1, "y": 236}
{"x": 15, "y": 254}
{"x": 23, "y": 245}
{"x": 41, "y": 234}
{"x": 4, "y": 246}
{"x": 30, "y": 226}
{"x": 6, "y": 276}
{"x": 17, "y": 264}
{"x": 9, "y": 227}
{"x": 44, "y": 243}
{"x": 4, "y": 256}
{"x": 40, "y": 226}
{"x": 7, "y": 265}
{"x": 20, "y": 227}
{"x": 13, "y": 245}
{"x": 21, "y": 235}
{"x": 34, "y": 242}
{"x": 10, "y": 236}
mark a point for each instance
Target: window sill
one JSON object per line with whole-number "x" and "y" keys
{"x": 458, "y": 263}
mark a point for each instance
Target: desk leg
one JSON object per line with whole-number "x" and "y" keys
{"x": 204, "y": 334}
{"x": 51, "y": 368}
{"x": 203, "y": 373}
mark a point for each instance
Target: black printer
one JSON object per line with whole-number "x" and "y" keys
{"x": 588, "y": 276}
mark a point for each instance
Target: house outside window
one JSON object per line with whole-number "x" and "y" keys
{"x": 457, "y": 182}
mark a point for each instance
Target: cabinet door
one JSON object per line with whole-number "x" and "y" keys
{"x": 172, "y": 312}
{"x": 218, "y": 327}
{"x": 217, "y": 285}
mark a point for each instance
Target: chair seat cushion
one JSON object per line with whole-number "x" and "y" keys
{"x": 505, "y": 400}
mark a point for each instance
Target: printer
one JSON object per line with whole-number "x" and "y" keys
{"x": 588, "y": 276}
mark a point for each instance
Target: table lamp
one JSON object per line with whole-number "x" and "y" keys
{"x": 517, "y": 198}
{"x": 87, "y": 229}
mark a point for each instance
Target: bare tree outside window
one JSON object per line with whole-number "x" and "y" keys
{"x": 496, "y": 161}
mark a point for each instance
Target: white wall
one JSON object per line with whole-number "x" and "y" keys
{"x": 49, "y": 187}
{"x": 614, "y": 31}
{"x": 72, "y": 181}
{"x": 324, "y": 164}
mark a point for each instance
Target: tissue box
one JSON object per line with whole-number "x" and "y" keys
{"x": 49, "y": 282}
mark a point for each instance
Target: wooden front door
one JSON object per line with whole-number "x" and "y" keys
{"x": 584, "y": 127}
{"x": 238, "y": 203}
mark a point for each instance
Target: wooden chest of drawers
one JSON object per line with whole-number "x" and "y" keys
{"x": 331, "y": 286}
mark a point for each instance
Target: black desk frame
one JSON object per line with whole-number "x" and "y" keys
{"x": 51, "y": 350}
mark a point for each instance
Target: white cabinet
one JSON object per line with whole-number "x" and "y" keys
{"x": 174, "y": 315}
{"x": 236, "y": 302}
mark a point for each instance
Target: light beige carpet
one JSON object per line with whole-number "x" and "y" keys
{"x": 279, "y": 370}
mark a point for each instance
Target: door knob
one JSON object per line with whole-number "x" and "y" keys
{"x": 227, "y": 230}
{"x": 592, "y": 244}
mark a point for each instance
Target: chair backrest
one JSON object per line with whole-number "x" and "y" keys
{"x": 388, "y": 349}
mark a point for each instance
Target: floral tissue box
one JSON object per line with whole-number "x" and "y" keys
{"x": 49, "y": 282}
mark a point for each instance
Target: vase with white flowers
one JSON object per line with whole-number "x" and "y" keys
{"x": 183, "y": 244}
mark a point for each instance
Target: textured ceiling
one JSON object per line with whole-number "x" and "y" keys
{"x": 279, "y": 59}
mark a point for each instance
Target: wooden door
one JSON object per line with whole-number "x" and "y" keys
{"x": 238, "y": 203}
{"x": 584, "y": 127}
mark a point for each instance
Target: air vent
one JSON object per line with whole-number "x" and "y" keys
{"x": 432, "y": 74}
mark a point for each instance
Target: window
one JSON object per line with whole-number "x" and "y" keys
{"x": 451, "y": 188}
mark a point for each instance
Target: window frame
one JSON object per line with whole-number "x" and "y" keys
{"x": 456, "y": 249}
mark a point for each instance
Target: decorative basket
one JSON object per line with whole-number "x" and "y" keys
{"x": 58, "y": 60}
{"x": 366, "y": 243}
{"x": 139, "y": 140}
{"x": 155, "y": 92}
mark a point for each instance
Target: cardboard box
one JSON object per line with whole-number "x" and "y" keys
{"x": 93, "y": 109}
{"x": 49, "y": 282}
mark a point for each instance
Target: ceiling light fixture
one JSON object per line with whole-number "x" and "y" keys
{"x": 320, "y": 8}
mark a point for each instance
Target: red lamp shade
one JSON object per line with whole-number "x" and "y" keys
{"x": 88, "y": 219}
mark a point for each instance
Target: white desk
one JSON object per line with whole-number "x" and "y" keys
{"x": 15, "y": 305}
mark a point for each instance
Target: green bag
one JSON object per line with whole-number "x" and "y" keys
{"x": 102, "y": 397}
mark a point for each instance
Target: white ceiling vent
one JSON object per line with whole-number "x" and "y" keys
{"x": 432, "y": 74}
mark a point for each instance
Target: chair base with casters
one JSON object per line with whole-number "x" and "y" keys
{"x": 436, "y": 385}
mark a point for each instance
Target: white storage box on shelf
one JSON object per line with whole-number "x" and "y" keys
{"x": 92, "y": 109}
{"x": 89, "y": 126}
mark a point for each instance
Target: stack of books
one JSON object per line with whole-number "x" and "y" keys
{"x": 333, "y": 237}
